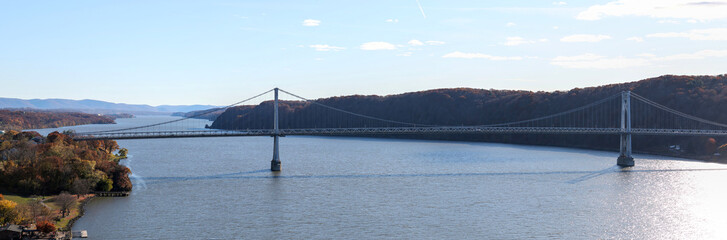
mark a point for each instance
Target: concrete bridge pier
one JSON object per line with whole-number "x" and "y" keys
{"x": 275, "y": 163}
{"x": 624, "y": 158}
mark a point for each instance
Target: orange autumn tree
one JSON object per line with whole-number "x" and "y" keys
{"x": 45, "y": 226}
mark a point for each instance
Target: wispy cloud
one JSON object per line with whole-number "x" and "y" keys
{"x": 421, "y": 9}
{"x": 560, "y": 3}
{"x": 311, "y": 22}
{"x": 325, "y": 47}
{"x": 515, "y": 41}
{"x": 510, "y": 24}
{"x": 392, "y": 20}
{"x": 683, "y": 9}
{"x": 478, "y": 56}
{"x": 593, "y": 61}
{"x": 635, "y": 39}
{"x": 584, "y": 38}
{"x": 369, "y": 46}
{"x": 415, "y": 42}
{"x": 696, "y": 34}
{"x": 434, "y": 43}
{"x": 694, "y": 56}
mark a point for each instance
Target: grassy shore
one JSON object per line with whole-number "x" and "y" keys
{"x": 64, "y": 223}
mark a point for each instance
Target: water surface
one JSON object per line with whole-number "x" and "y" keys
{"x": 334, "y": 187}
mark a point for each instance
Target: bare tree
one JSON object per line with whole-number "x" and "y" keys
{"x": 65, "y": 201}
{"x": 38, "y": 210}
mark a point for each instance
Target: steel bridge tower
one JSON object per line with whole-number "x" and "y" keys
{"x": 275, "y": 163}
{"x": 625, "y": 159}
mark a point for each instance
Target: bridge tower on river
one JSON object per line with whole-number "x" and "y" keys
{"x": 625, "y": 159}
{"x": 275, "y": 163}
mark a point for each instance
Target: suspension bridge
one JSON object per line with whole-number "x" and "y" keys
{"x": 624, "y": 114}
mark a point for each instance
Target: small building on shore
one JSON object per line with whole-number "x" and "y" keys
{"x": 11, "y": 232}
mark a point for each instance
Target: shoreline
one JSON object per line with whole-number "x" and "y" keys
{"x": 81, "y": 211}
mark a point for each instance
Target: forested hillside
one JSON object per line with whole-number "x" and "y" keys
{"x": 32, "y": 119}
{"x": 31, "y": 164}
{"x": 701, "y": 96}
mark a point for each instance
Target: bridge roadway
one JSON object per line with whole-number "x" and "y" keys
{"x": 394, "y": 130}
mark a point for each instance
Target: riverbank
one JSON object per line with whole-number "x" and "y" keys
{"x": 80, "y": 209}
{"x": 63, "y": 224}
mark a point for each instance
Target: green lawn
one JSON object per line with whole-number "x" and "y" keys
{"x": 17, "y": 198}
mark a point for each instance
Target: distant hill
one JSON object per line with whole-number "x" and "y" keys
{"x": 95, "y": 106}
{"x": 701, "y": 96}
{"x": 209, "y": 114}
{"x": 20, "y": 119}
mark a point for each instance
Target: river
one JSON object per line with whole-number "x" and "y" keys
{"x": 338, "y": 187}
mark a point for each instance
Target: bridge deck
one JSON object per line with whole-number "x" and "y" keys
{"x": 398, "y": 130}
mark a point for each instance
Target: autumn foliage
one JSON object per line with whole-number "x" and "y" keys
{"x": 33, "y": 164}
{"x": 45, "y": 226}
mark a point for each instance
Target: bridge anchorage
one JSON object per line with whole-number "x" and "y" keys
{"x": 622, "y": 114}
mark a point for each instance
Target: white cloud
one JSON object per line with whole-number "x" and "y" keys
{"x": 434, "y": 43}
{"x": 392, "y": 20}
{"x": 311, "y": 23}
{"x": 635, "y": 39}
{"x": 593, "y": 61}
{"x": 584, "y": 38}
{"x": 514, "y": 41}
{"x": 377, "y": 46}
{"x": 682, "y": 9}
{"x": 668, "y": 21}
{"x": 692, "y": 56}
{"x": 510, "y": 24}
{"x": 559, "y": 3}
{"x": 646, "y": 55}
{"x": 696, "y": 34}
{"x": 555, "y": 27}
{"x": 325, "y": 47}
{"x": 404, "y": 54}
{"x": 478, "y": 55}
{"x": 415, "y": 42}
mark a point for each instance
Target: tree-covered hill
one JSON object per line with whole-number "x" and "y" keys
{"x": 33, "y": 119}
{"x": 31, "y": 164}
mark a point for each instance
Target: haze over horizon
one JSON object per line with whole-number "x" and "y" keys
{"x": 219, "y": 52}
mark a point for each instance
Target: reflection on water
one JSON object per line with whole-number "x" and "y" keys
{"x": 246, "y": 175}
{"x": 386, "y": 188}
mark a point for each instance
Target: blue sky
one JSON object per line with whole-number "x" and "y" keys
{"x": 219, "y": 52}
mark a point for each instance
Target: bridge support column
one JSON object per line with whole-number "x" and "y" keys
{"x": 625, "y": 159}
{"x": 275, "y": 163}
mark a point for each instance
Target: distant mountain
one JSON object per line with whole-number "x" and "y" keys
{"x": 95, "y": 106}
